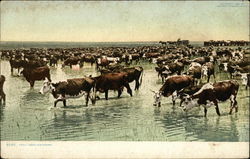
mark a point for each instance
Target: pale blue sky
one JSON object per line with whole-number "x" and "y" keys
{"x": 124, "y": 21}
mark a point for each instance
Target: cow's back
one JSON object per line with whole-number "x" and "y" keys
{"x": 223, "y": 90}
{"x": 176, "y": 83}
{"x": 38, "y": 73}
{"x": 110, "y": 81}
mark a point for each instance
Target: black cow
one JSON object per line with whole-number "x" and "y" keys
{"x": 17, "y": 64}
{"x": 169, "y": 69}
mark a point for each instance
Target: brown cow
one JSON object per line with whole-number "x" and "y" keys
{"x": 195, "y": 70}
{"x": 112, "y": 81}
{"x": 2, "y": 94}
{"x": 39, "y": 73}
{"x": 172, "y": 85}
{"x": 71, "y": 61}
{"x": 211, "y": 94}
{"x": 133, "y": 73}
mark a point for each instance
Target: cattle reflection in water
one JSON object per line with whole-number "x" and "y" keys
{"x": 191, "y": 128}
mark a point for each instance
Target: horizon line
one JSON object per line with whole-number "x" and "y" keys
{"x": 121, "y": 41}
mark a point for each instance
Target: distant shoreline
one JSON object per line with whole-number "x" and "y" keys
{"x": 4, "y": 45}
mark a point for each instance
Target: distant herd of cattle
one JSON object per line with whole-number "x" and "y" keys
{"x": 181, "y": 69}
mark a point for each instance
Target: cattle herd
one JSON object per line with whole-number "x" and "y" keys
{"x": 181, "y": 69}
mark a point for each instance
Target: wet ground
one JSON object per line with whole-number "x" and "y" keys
{"x": 27, "y": 114}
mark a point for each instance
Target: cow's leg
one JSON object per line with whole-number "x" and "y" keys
{"x": 64, "y": 102}
{"x": 18, "y": 70}
{"x": 205, "y": 112}
{"x": 55, "y": 102}
{"x": 162, "y": 78}
{"x": 217, "y": 108}
{"x": 119, "y": 93}
{"x": 208, "y": 78}
{"x": 174, "y": 96}
{"x": 233, "y": 104}
{"x": 48, "y": 76}
{"x": 137, "y": 84}
{"x": 87, "y": 98}
{"x": 159, "y": 104}
{"x": 106, "y": 94}
{"x": 214, "y": 77}
{"x": 128, "y": 89}
{"x": 32, "y": 83}
{"x": 236, "y": 106}
{"x": 4, "y": 97}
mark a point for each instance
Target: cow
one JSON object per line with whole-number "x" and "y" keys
{"x": 130, "y": 57}
{"x": 172, "y": 85}
{"x": 202, "y": 60}
{"x": 2, "y": 94}
{"x": 210, "y": 94}
{"x": 88, "y": 58}
{"x": 17, "y": 64}
{"x": 245, "y": 79}
{"x": 102, "y": 62}
{"x": 163, "y": 43}
{"x": 71, "y": 88}
{"x": 34, "y": 74}
{"x": 233, "y": 66}
{"x": 169, "y": 69}
{"x": 53, "y": 61}
{"x": 71, "y": 61}
{"x": 35, "y": 63}
{"x": 112, "y": 81}
{"x": 133, "y": 73}
{"x": 195, "y": 70}
{"x": 208, "y": 70}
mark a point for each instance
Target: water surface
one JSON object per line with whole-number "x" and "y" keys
{"x": 26, "y": 115}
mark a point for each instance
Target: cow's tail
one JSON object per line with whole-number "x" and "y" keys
{"x": 141, "y": 78}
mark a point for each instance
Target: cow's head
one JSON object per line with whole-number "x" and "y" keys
{"x": 188, "y": 103}
{"x": 225, "y": 66}
{"x": 244, "y": 79}
{"x": 157, "y": 98}
{"x": 47, "y": 87}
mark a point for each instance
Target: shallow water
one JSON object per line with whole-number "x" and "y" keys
{"x": 27, "y": 114}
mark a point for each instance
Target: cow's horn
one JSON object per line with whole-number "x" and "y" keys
{"x": 152, "y": 91}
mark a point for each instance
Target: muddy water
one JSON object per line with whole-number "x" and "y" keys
{"x": 27, "y": 114}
